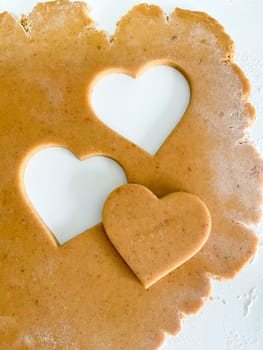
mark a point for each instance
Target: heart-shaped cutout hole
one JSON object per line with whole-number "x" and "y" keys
{"x": 143, "y": 110}
{"x": 155, "y": 236}
{"x": 69, "y": 194}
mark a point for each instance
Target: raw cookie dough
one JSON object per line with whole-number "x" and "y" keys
{"x": 82, "y": 295}
{"x": 155, "y": 236}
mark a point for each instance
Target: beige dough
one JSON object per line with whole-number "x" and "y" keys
{"x": 82, "y": 295}
{"x": 155, "y": 236}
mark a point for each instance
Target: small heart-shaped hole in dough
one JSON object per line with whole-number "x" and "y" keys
{"x": 68, "y": 194}
{"x": 143, "y": 110}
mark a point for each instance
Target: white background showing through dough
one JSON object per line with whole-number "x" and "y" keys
{"x": 233, "y": 320}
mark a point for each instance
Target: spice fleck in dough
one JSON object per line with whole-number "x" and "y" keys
{"x": 82, "y": 295}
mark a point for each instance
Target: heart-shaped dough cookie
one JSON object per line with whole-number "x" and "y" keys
{"x": 155, "y": 236}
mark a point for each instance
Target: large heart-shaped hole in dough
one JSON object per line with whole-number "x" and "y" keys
{"x": 69, "y": 194}
{"x": 143, "y": 110}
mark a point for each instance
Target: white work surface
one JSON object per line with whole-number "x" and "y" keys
{"x": 233, "y": 320}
